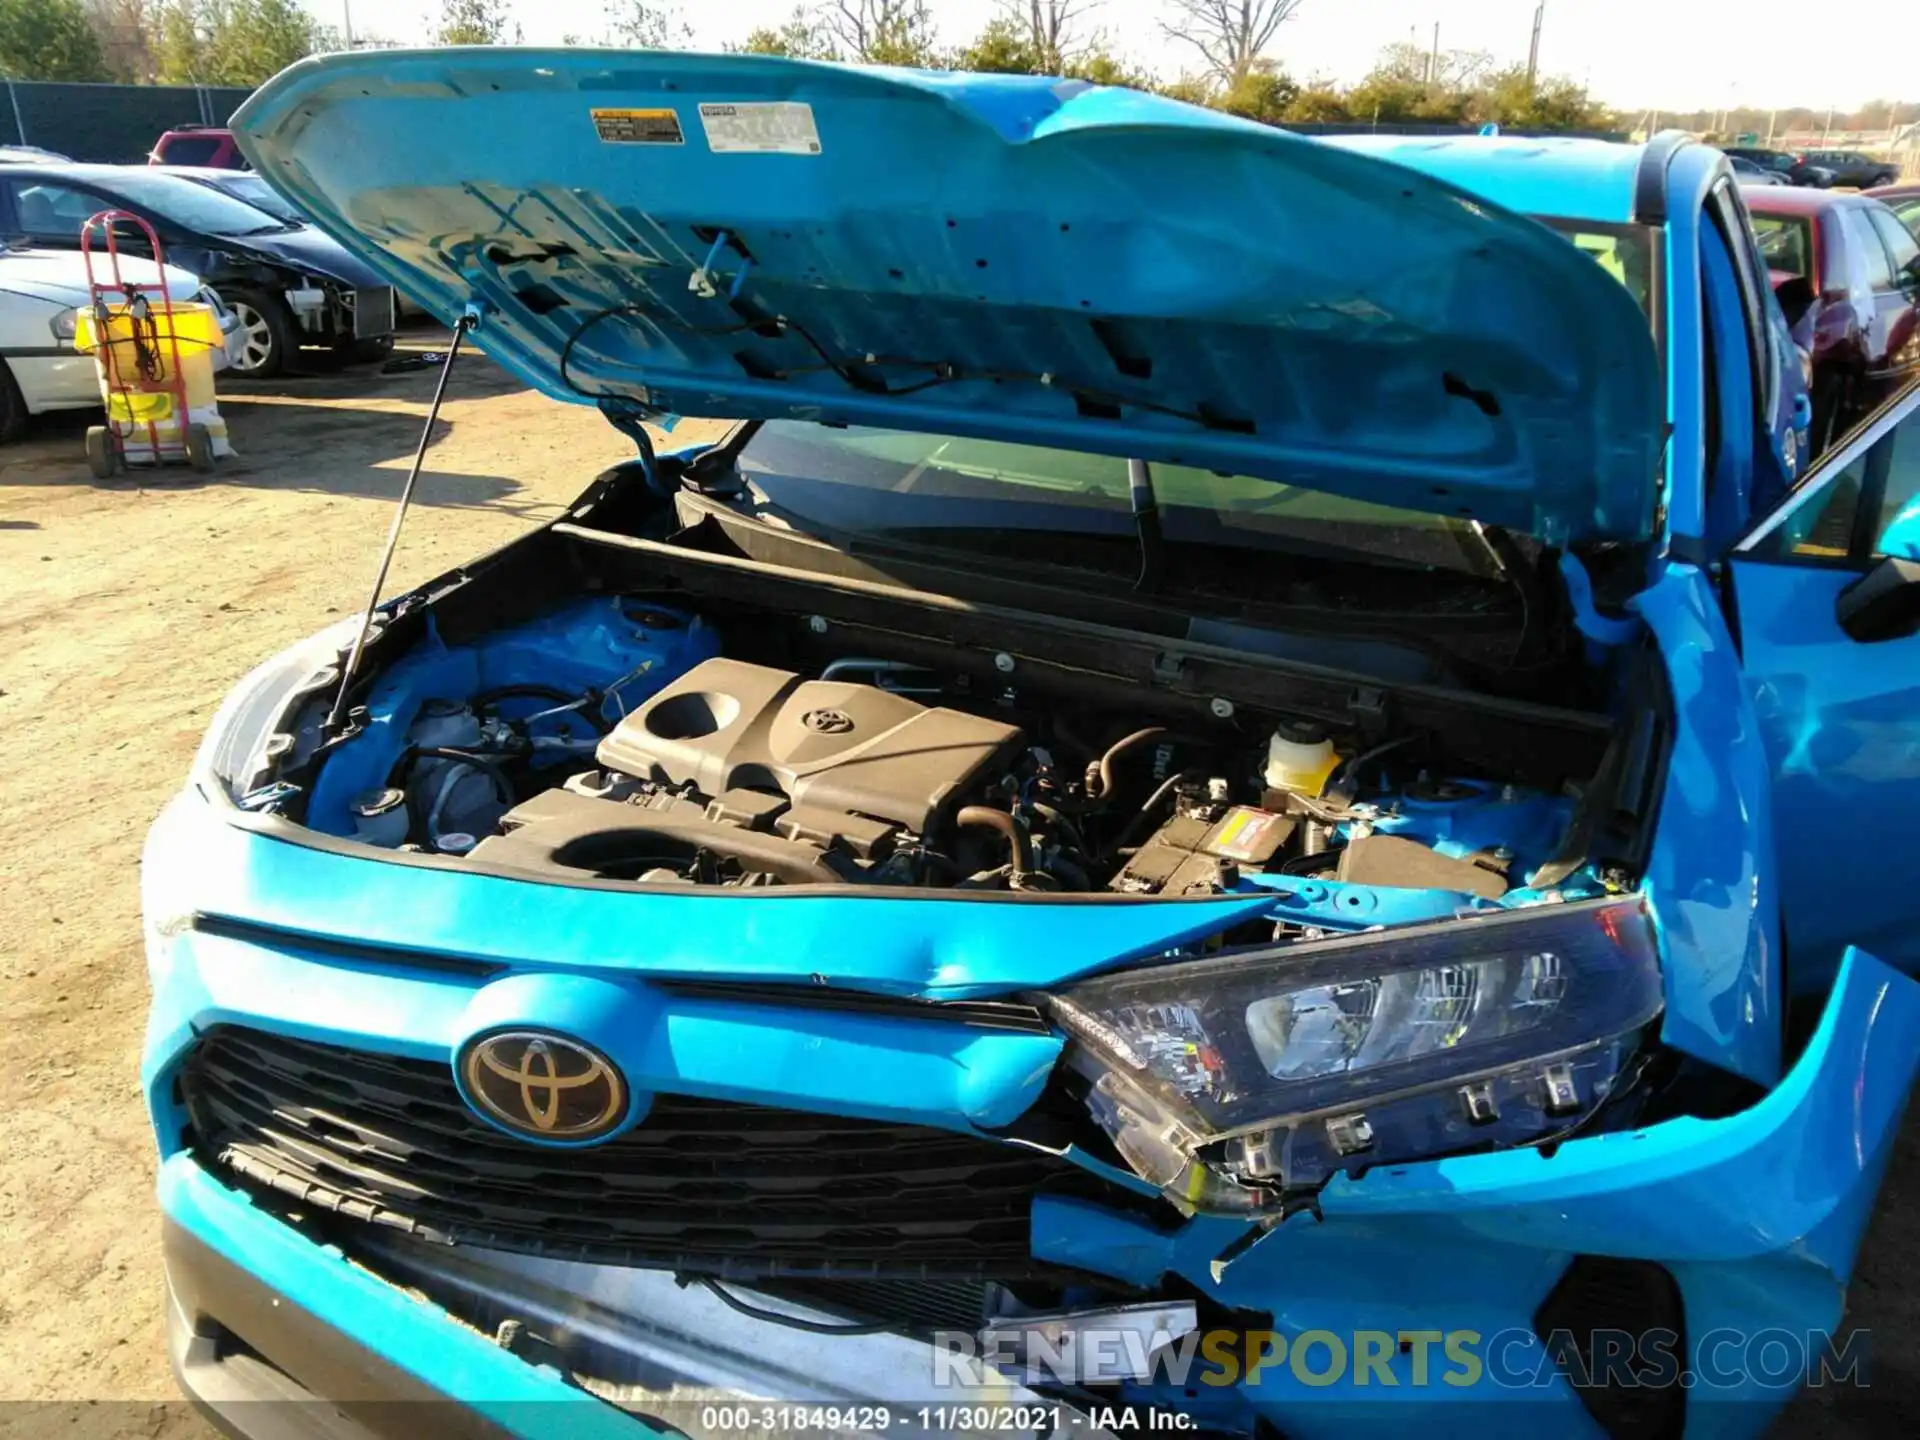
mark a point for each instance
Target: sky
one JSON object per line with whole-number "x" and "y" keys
{"x": 1633, "y": 54}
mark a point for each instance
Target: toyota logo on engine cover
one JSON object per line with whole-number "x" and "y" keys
{"x": 828, "y": 722}
{"x": 544, "y": 1085}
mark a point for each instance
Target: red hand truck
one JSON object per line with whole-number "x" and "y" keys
{"x": 142, "y": 379}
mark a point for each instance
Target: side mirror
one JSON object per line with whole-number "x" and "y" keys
{"x": 1883, "y": 604}
{"x": 1795, "y": 295}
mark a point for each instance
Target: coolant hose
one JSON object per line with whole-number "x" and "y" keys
{"x": 1100, "y": 773}
{"x": 1060, "y": 822}
{"x": 991, "y": 819}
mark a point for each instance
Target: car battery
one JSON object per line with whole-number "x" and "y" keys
{"x": 1203, "y": 853}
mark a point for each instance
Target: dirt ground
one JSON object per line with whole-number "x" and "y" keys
{"x": 125, "y": 614}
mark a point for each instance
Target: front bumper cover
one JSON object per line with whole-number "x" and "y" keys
{"x": 1756, "y": 1216}
{"x": 276, "y": 1338}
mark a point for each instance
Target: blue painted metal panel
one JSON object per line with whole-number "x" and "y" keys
{"x": 1712, "y": 877}
{"x": 1095, "y": 268}
{"x": 1561, "y": 178}
{"x": 1841, "y": 724}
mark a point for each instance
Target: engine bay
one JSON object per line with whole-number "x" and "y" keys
{"x": 644, "y": 754}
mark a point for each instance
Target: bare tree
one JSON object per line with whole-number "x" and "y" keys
{"x": 1051, "y": 27}
{"x": 1229, "y": 34}
{"x": 125, "y": 28}
{"x": 472, "y": 22}
{"x": 884, "y": 32}
{"x": 646, "y": 25}
{"x": 1447, "y": 69}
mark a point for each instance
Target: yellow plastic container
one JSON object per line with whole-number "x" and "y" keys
{"x": 116, "y": 355}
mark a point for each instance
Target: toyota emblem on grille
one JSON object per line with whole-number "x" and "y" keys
{"x": 828, "y": 722}
{"x": 543, "y": 1085}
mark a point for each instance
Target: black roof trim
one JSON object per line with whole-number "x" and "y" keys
{"x": 1650, "y": 183}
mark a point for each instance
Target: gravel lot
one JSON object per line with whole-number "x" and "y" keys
{"x": 125, "y": 614}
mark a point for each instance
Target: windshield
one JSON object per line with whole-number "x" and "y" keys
{"x": 262, "y": 196}
{"x": 1624, "y": 252}
{"x": 191, "y": 206}
{"x": 998, "y": 498}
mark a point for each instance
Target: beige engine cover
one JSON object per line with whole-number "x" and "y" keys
{"x": 825, "y": 744}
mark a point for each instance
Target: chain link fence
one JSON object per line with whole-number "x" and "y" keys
{"x": 113, "y": 124}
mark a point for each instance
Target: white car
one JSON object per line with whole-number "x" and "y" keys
{"x": 41, "y": 293}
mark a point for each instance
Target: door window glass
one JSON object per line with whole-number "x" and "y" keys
{"x": 1786, "y": 244}
{"x": 52, "y": 210}
{"x": 1900, "y": 243}
{"x": 1730, "y": 218}
{"x": 1872, "y": 269}
{"x": 1865, "y": 503}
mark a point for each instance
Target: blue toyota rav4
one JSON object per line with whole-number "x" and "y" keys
{"x": 1244, "y": 749}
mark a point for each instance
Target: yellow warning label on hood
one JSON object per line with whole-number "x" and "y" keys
{"x": 638, "y": 127}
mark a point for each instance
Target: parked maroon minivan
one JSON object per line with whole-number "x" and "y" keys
{"x": 1847, "y": 273}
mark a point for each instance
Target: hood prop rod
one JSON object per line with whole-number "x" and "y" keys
{"x": 465, "y": 323}
{"x": 1146, "y": 524}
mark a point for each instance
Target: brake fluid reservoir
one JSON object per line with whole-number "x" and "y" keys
{"x": 1300, "y": 758}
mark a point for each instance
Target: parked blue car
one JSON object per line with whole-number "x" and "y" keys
{"x": 1250, "y": 798}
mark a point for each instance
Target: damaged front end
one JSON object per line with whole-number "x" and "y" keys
{"x": 636, "y": 980}
{"x": 1106, "y": 815}
{"x": 727, "y": 1251}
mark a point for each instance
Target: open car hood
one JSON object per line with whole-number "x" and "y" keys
{"x": 1007, "y": 257}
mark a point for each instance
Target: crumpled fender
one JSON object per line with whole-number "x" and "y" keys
{"x": 1711, "y": 874}
{"x": 1758, "y": 1215}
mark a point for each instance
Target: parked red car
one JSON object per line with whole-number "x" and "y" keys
{"x": 206, "y": 145}
{"x": 1847, "y": 273}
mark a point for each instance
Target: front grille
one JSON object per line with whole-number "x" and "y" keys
{"x": 372, "y": 311}
{"x": 740, "y": 1191}
{"x": 914, "y": 1305}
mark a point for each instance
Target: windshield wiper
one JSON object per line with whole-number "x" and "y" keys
{"x": 1146, "y": 525}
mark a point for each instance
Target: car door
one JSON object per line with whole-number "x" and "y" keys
{"x": 1825, "y": 601}
{"x": 1878, "y": 298}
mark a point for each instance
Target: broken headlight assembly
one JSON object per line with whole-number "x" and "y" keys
{"x": 1239, "y": 1081}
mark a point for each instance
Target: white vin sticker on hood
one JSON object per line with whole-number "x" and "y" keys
{"x": 782, "y": 128}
